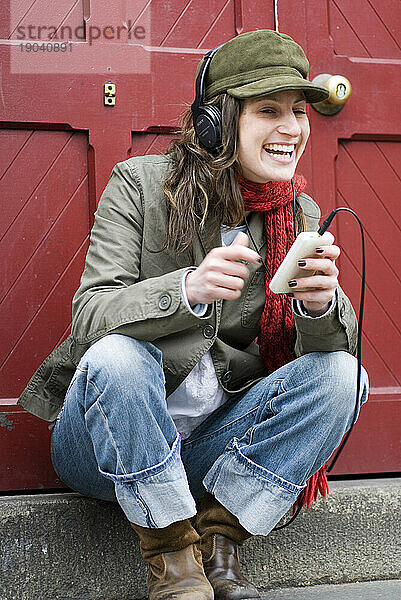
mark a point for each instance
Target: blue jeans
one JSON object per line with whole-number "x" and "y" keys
{"x": 115, "y": 440}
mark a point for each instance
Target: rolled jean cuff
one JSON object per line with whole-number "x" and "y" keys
{"x": 256, "y": 496}
{"x": 157, "y": 496}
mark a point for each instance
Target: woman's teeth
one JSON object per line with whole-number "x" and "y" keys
{"x": 279, "y": 149}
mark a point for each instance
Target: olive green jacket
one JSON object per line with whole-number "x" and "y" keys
{"x": 128, "y": 287}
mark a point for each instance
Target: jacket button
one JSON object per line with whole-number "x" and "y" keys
{"x": 208, "y": 331}
{"x": 342, "y": 310}
{"x": 227, "y": 377}
{"x": 165, "y": 302}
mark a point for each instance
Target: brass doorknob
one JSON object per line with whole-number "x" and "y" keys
{"x": 339, "y": 88}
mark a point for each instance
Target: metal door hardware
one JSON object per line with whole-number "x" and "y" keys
{"x": 109, "y": 94}
{"x": 339, "y": 88}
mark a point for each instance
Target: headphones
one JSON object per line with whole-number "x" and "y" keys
{"x": 206, "y": 119}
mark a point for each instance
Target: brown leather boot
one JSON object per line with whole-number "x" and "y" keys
{"x": 223, "y": 571}
{"x": 221, "y": 532}
{"x": 178, "y": 575}
{"x": 175, "y": 568}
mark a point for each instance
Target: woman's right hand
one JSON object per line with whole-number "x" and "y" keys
{"x": 220, "y": 275}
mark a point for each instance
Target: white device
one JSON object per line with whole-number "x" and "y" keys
{"x": 303, "y": 247}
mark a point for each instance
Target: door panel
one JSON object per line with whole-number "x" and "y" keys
{"x": 43, "y": 230}
{"x": 368, "y": 29}
{"x": 372, "y": 198}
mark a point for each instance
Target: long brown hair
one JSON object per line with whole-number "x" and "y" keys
{"x": 203, "y": 184}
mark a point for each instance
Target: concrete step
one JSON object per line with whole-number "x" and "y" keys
{"x": 66, "y": 547}
{"x": 372, "y": 590}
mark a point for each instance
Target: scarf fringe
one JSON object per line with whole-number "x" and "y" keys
{"x": 316, "y": 484}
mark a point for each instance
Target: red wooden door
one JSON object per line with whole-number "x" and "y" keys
{"x": 59, "y": 142}
{"x": 354, "y": 160}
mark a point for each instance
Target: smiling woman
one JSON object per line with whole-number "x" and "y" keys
{"x": 272, "y": 136}
{"x": 161, "y": 398}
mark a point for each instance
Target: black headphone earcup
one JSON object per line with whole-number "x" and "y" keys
{"x": 206, "y": 119}
{"x": 207, "y": 125}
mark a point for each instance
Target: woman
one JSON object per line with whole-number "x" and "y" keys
{"x": 170, "y": 400}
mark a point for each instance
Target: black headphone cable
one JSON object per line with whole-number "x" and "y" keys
{"x": 325, "y": 225}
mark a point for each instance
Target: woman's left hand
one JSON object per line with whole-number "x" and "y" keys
{"x": 319, "y": 289}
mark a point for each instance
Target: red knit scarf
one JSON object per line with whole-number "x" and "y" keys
{"x": 276, "y": 342}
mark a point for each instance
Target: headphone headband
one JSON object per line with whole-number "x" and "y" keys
{"x": 200, "y": 79}
{"x": 206, "y": 119}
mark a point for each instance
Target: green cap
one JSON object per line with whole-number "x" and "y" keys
{"x": 261, "y": 62}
